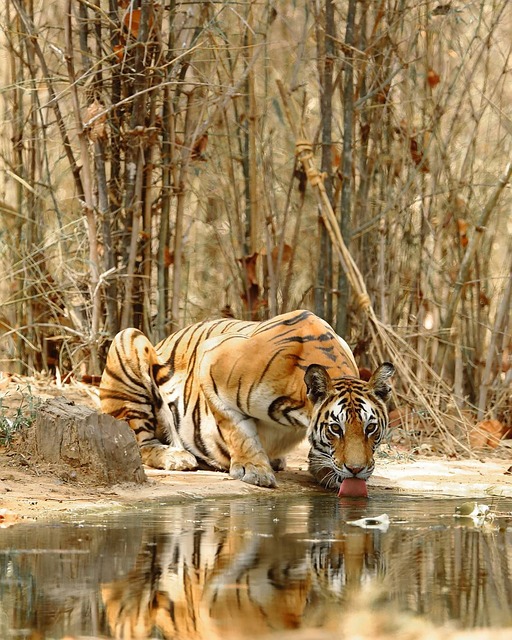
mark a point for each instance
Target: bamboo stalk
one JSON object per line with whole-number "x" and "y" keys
{"x": 324, "y": 276}
{"x": 104, "y": 221}
{"x": 347, "y": 160}
{"x": 108, "y": 256}
{"x": 168, "y": 146}
{"x": 136, "y": 196}
{"x": 492, "y": 350}
{"x": 116, "y": 119}
{"x": 294, "y": 244}
{"x": 17, "y": 80}
{"x": 88, "y": 203}
{"x": 255, "y": 217}
{"x": 134, "y": 165}
{"x": 147, "y": 209}
{"x": 168, "y": 140}
{"x": 180, "y": 212}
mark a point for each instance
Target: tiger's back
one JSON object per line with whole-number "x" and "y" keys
{"x": 228, "y": 393}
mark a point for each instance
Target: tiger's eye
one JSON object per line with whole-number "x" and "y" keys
{"x": 335, "y": 428}
{"x": 371, "y": 429}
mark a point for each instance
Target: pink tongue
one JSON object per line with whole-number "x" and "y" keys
{"x": 353, "y": 488}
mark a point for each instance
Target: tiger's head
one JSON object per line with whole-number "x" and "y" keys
{"x": 348, "y": 422}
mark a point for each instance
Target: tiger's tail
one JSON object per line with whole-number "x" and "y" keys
{"x": 127, "y": 389}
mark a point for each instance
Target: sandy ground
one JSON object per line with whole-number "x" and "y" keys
{"x": 30, "y": 489}
{"x": 37, "y": 491}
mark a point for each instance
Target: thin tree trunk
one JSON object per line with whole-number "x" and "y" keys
{"x": 325, "y": 262}
{"x": 18, "y": 81}
{"x": 149, "y": 167}
{"x": 88, "y": 201}
{"x": 493, "y": 353}
{"x": 116, "y": 118}
{"x": 181, "y": 195}
{"x": 255, "y": 221}
{"x": 137, "y": 163}
{"x": 346, "y": 163}
{"x": 168, "y": 146}
{"x": 108, "y": 250}
{"x": 134, "y": 164}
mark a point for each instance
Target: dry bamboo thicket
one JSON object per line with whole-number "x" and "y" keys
{"x": 150, "y": 178}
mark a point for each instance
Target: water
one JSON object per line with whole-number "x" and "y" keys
{"x": 243, "y": 568}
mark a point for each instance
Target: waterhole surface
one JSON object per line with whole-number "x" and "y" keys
{"x": 243, "y": 568}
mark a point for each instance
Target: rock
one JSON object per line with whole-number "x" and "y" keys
{"x": 97, "y": 446}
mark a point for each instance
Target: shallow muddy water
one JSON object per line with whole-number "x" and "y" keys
{"x": 243, "y": 568}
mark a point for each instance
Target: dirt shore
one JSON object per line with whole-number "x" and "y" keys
{"x": 35, "y": 490}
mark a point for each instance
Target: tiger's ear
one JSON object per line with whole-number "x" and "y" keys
{"x": 378, "y": 383}
{"x": 318, "y": 383}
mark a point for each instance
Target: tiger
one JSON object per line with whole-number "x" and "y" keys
{"x": 238, "y": 395}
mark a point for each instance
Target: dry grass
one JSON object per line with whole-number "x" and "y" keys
{"x": 150, "y": 177}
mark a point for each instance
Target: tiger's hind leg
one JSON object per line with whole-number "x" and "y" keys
{"x": 129, "y": 390}
{"x": 249, "y": 461}
{"x": 172, "y": 455}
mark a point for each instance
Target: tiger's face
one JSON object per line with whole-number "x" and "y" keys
{"x": 348, "y": 422}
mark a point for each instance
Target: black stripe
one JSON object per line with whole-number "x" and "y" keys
{"x": 267, "y": 366}
{"x": 198, "y": 439}
{"x": 144, "y": 429}
{"x": 281, "y": 407}
{"x": 187, "y": 391}
{"x": 161, "y": 374}
{"x": 238, "y": 395}
{"x": 298, "y": 318}
{"x": 175, "y": 415}
{"x": 125, "y": 397}
{"x": 133, "y": 414}
{"x": 215, "y": 388}
{"x": 290, "y": 322}
{"x": 221, "y": 444}
{"x": 322, "y": 337}
{"x": 328, "y": 352}
{"x": 135, "y": 382}
{"x": 173, "y": 342}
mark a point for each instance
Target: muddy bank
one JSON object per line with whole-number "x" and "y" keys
{"x": 38, "y": 491}
{"x": 33, "y": 489}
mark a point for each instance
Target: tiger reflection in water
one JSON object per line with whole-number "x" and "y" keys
{"x": 236, "y": 578}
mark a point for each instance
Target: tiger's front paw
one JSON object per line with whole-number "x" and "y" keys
{"x": 258, "y": 474}
{"x": 179, "y": 460}
{"x": 169, "y": 458}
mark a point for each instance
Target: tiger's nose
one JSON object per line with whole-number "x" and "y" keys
{"x": 354, "y": 470}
